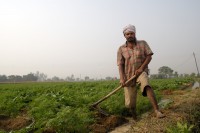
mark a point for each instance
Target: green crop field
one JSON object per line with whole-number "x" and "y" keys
{"x": 64, "y": 106}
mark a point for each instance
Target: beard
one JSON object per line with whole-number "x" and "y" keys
{"x": 131, "y": 39}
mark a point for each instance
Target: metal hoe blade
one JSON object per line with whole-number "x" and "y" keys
{"x": 99, "y": 109}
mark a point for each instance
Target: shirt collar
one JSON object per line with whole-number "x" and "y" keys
{"x": 127, "y": 43}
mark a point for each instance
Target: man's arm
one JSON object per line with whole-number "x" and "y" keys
{"x": 120, "y": 63}
{"x": 122, "y": 74}
{"x": 144, "y": 65}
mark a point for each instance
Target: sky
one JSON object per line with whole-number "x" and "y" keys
{"x": 81, "y": 37}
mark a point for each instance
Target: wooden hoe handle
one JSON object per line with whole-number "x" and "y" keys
{"x": 111, "y": 93}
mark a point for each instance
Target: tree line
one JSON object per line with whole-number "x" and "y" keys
{"x": 31, "y": 77}
{"x": 167, "y": 72}
{"x": 18, "y": 78}
{"x": 41, "y": 77}
{"x": 163, "y": 72}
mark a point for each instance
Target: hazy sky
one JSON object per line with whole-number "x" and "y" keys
{"x": 81, "y": 37}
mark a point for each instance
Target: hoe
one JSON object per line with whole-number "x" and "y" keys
{"x": 95, "y": 105}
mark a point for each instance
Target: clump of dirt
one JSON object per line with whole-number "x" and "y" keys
{"x": 107, "y": 123}
{"x": 167, "y": 92}
{"x": 7, "y": 123}
{"x": 49, "y": 130}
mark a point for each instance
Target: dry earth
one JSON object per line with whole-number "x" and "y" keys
{"x": 9, "y": 124}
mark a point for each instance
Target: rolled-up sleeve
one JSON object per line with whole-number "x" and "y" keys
{"x": 148, "y": 50}
{"x": 120, "y": 58}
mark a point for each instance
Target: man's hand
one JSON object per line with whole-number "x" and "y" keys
{"x": 143, "y": 66}
{"x": 122, "y": 75}
{"x": 138, "y": 71}
{"x": 122, "y": 81}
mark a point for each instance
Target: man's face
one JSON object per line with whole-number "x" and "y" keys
{"x": 130, "y": 36}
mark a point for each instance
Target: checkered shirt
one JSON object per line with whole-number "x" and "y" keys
{"x": 132, "y": 59}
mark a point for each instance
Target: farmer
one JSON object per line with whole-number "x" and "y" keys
{"x": 133, "y": 58}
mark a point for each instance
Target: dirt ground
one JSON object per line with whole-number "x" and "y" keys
{"x": 8, "y": 124}
{"x": 185, "y": 106}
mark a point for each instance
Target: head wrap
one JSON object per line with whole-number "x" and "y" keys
{"x": 129, "y": 28}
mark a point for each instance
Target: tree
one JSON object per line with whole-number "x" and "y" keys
{"x": 68, "y": 78}
{"x": 157, "y": 76}
{"x": 166, "y": 71}
{"x": 18, "y": 78}
{"x": 192, "y": 75}
{"x": 29, "y": 77}
{"x": 55, "y": 78}
{"x": 72, "y": 77}
{"x": 109, "y": 78}
{"x": 11, "y": 78}
{"x": 41, "y": 76}
{"x": 181, "y": 76}
{"x": 87, "y": 78}
{"x": 186, "y": 75}
{"x": 176, "y": 74}
{"x": 3, "y": 78}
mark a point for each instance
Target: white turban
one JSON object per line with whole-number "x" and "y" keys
{"x": 129, "y": 28}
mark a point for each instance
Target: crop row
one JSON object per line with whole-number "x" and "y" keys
{"x": 64, "y": 106}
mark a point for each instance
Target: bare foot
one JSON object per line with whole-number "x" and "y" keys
{"x": 159, "y": 114}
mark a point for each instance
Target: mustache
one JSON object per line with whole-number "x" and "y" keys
{"x": 131, "y": 39}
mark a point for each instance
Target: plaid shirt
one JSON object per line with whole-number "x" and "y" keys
{"x": 132, "y": 59}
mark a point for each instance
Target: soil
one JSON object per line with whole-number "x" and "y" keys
{"x": 8, "y": 124}
{"x": 185, "y": 107}
{"x": 107, "y": 123}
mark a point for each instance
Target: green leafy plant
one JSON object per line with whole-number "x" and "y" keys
{"x": 63, "y": 106}
{"x": 180, "y": 128}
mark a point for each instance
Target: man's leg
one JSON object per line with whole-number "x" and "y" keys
{"x": 151, "y": 96}
{"x": 148, "y": 91}
{"x": 152, "y": 99}
{"x": 130, "y": 100}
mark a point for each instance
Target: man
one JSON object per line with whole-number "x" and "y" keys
{"x": 133, "y": 58}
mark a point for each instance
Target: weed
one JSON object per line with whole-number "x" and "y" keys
{"x": 180, "y": 128}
